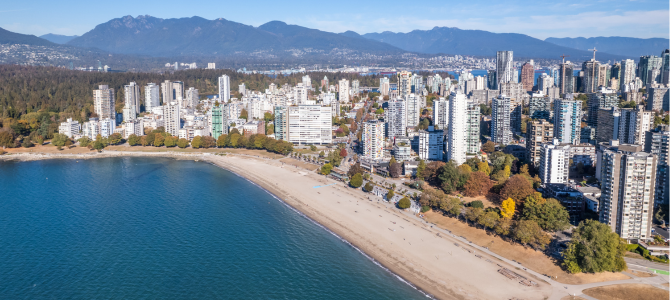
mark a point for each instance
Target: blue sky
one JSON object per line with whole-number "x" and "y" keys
{"x": 537, "y": 18}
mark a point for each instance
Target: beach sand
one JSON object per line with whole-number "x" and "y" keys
{"x": 426, "y": 257}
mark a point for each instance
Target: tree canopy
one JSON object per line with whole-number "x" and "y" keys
{"x": 594, "y": 248}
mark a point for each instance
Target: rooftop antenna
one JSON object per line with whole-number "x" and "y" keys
{"x": 563, "y": 57}
{"x": 594, "y": 52}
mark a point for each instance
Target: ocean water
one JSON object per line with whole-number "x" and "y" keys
{"x": 154, "y": 228}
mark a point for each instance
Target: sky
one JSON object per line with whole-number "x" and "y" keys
{"x": 536, "y": 18}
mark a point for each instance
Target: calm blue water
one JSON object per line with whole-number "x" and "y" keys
{"x": 138, "y": 228}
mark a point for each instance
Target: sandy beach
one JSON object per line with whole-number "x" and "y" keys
{"x": 428, "y": 257}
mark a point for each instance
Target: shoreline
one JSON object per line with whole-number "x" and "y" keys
{"x": 455, "y": 281}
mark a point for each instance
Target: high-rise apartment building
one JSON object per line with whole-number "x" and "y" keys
{"x": 172, "y": 118}
{"x": 633, "y": 123}
{"x": 544, "y": 82}
{"x": 431, "y": 144}
{"x": 131, "y": 96}
{"x": 657, "y": 142}
{"x": 607, "y": 128}
{"x": 472, "y": 134}
{"x": 441, "y": 113}
{"x": 566, "y": 80}
{"x": 665, "y": 67}
{"x": 373, "y": 140}
{"x": 300, "y": 93}
{"x": 224, "y": 88}
{"x": 343, "y": 91}
{"x": 413, "y": 108}
{"x": 627, "y": 73}
{"x": 505, "y": 66}
{"x": 539, "y": 107}
{"x": 384, "y": 86}
{"x": 648, "y": 65}
{"x": 103, "y": 100}
{"x": 355, "y": 86}
{"x": 192, "y": 98}
{"x": 554, "y": 162}
{"x": 528, "y": 76}
{"x": 591, "y": 71}
{"x": 500, "y": 120}
{"x": 281, "y": 123}
{"x": 627, "y": 181}
{"x": 658, "y": 98}
{"x": 602, "y": 99}
{"x": 567, "y": 120}
{"x": 395, "y": 117}
{"x": 404, "y": 83}
{"x": 310, "y": 124}
{"x": 219, "y": 120}
{"x": 457, "y": 139}
{"x": 151, "y": 97}
{"x": 538, "y": 133}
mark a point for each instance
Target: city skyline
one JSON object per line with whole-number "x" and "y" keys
{"x": 647, "y": 19}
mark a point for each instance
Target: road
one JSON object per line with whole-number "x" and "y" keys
{"x": 644, "y": 265}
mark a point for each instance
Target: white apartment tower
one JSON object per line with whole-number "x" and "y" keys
{"x": 192, "y": 98}
{"x": 384, "y": 86}
{"x": 457, "y": 143}
{"x": 627, "y": 73}
{"x": 474, "y": 144}
{"x": 224, "y": 88}
{"x": 131, "y": 95}
{"x": 505, "y": 66}
{"x": 441, "y": 113}
{"x": 301, "y": 93}
{"x": 404, "y": 83}
{"x": 343, "y": 90}
{"x": 554, "y": 162}
{"x": 633, "y": 125}
{"x": 172, "y": 119}
{"x": 373, "y": 140}
{"x": 103, "y": 100}
{"x": 395, "y": 118}
{"x": 69, "y": 128}
{"x": 431, "y": 144}
{"x": 151, "y": 96}
{"x": 500, "y": 120}
{"x": 628, "y": 178}
{"x": 413, "y": 109}
{"x": 310, "y": 124}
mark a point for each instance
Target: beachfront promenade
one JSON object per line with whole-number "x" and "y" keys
{"x": 409, "y": 246}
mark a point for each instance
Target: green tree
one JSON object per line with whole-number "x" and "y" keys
{"x": 420, "y": 169}
{"x": 98, "y": 145}
{"x": 26, "y": 143}
{"x": 182, "y": 143}
{"x": 404, "y": 203}
{"x": 159, "y": 140}
{"x": 133, "y": 140}
{"x": 196, "y": 143}
{"x": 221, "y": 141}
{"x": 549, "y": 213}
{"x": 115, "y": 138}
{"x": 529, "y": 233}
{"x": 594, "y": 248}
{"x": 368, "y": 187}
{"x": 449, "y": 177}
{"x": 321, "y": 154}
{"x": 59, "y": 140}
{"x": 477, "y": 204}
{"x": 390, "y": 195}
{"x": 503, "y": 226}
{"x": 356, "y": 181}
{"x": 326, "y": 169}
{"x": 171, "y": 141}
{"x": 489, "y": 219}
{"x": 84, "y": 141}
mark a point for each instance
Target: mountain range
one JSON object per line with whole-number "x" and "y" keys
{"x": 199, "y": 37}
{"x": 616, "y": 45}
{"x": 58, "y": 38}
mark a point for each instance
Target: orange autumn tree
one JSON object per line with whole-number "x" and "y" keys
{"x": 477, "y": 185}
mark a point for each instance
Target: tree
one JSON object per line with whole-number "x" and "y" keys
{"x": 390, "y": 195}
{"x": 355, "y": 169}
{"x": 244, "y": 114}
{"x": 465, "y": 169}
{"x": 171, "y": 141}
{"x": 507, "y": 208}
{"x": 594, "y": 248}
{"x": 208, "y": 142}
{"x": 182, "y": 143}
{"x": 477, "y": 204}
{"x": 326, "y": 169}
{"x": 98, "y": 145}
{"x": 133, "y": 140}
{"x": 84, "y": 141}
{"x": 449, "y": 177}
{"x": 6, "y": 139}
{"x": 26, "y": 143}
{"x": 343, "y": 152}
{"x": 404, "y": 203}
{"x": 477, "y": 185}
{"x": 39, "y": 140}
{"x": 489, "y": 219}
{"x": 221, "y": 140}
{"x": 59, "y": 140}
{"x": 489, "y": 147}
{"x": 420, "y": 169}
{"x": 321, "y": 154}
{"x": 473, "y": 213}
{"x": 356, "y": 181}
{"x": 517, "y": 188}
{"x": 368, "y": 187}
{"x": 529, "y": 233}
{"x": 549, "y": 213}
{"x": 144, "y": 141}
{"x": 196, "y": 143}
{"x": 115, "y": 138}
{"x": 159, "y": 140}
{"x": 503, "y": 226}
{"x": 484, "y": 168}
{"x": 395, "y": 170}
